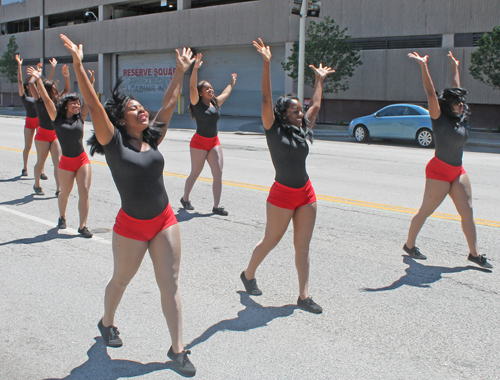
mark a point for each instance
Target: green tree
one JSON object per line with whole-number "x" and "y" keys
{"x": 485, "y": 60}
{"x": 329, "y": 45}
{"x": 8, "y": 64}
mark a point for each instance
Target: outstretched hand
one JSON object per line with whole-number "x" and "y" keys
{"x": 185, "y": 59}
{"x": 34, "y": 72}
{"x": 91, "y": 76}
{"x": 76, "y": 51}
{"x": 198, "y": 62}
{"x": 453, "y": 60}
{"x": 53, "y": 62}
{"x": 233, "y": 78}
{"x": 418, "y": 58}
{"x": 65, "y": 71}
{"x": 19, "y": 60}
{"x": 263, "y": 50}
{"x": 322, "y": 71}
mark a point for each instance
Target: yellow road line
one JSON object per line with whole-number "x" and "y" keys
{"x": 327, "y": 198}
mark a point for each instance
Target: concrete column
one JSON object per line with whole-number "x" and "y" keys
{"x": 448, "y": 40}
{"x": 104, "y": 76}
{"x": 288, "y": 81}
{"x": 105, "y": 12}
{"x": 183, "y": 4}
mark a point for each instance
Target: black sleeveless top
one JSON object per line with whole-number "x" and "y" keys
{"x": 206, "y": 119}
{"x": 29, "y": 106}
{"x": 43, "y": 116}
{"x": 450, "y": 137}
{"x": 70, "y": 135}
{"x": 138, "y": 177}
{"x": 288, "y": 156}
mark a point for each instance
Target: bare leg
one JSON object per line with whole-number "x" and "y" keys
{"x": 461, "y": 194}
{"x": 42, "y": 151}
{"x": 277, "y": 222}
{"x": 67, "y": 180}
{"x": 83, "y": 180}
{"x": 29, "y": 134}
{"x": 216, "y": 162}
{"x": 165, "y": 252}
{"x": 434, "y": 194}
{"x": 55, "y": 152}
{"x": 303, "y": 226}
{"x": 128, "y": 255}
{"x": 198, "y": 157}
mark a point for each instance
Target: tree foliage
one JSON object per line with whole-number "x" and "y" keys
{"x": 485, "y": 60}
{"x": 8, "y": 63}
{"x": 329, "y": 45}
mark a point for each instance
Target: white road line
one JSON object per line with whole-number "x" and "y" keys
{"x": 68, "y": 231}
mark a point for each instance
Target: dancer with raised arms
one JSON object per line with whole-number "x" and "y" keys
{"x": 444, "y": 173}
{"x": 68, "y": 118}
{"x": 205, "y": 144}
{"x": 129, "y": 141}
{"x": 292, "y": 196}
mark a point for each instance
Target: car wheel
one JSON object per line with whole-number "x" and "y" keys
{"x": 361, "y": 133}
{"x": 425, "y": 138}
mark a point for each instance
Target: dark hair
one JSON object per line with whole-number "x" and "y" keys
{"x": 63, "y": 101}
{"x": 280, "y": 108}
{"x": 51, "y": 88}
{"x": 451, "y": 96}
{"x": 115, "y": 108}
{"x": 199, "y": 86}
{"x": 26, "y": 86}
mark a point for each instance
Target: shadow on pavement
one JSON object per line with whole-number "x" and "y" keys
{"x": 183, "y": 216}
{"x": 50, "y": 235}
{"x": 252, "y": 317}
{"x": 15, "y": 179}
{"x": 26, "y": 199}
{"x": 101, "y": 366}
{"x": 421, "y": 276}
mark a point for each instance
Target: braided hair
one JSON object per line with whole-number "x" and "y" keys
{"x": 451, "y": 96}
{"x": 301, "y": 134}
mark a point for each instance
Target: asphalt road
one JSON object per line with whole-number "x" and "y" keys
{"x": 385, "y": 316}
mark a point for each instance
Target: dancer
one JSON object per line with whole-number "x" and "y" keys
{"x": 45, "y": 138}
{"x": 444, "y": 173}
{"x": 31, "y": 123}
{"x": 205, "y": 144}
{"x": 68, "y": 119}
{"x": 146, "y": 221}
{"x": 292, "y": 196}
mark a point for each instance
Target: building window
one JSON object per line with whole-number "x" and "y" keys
{"x": 140, "y": 8}
{"x": 26, "y": 25}
{"x": 407, "y": 42}
{"x": 74, "y": 17}
{"x": 210, "y": 3}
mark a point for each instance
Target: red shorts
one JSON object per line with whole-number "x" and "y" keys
{"x": 143, "y": 230}
{"x": 204, "y": 143}
{"x": 45, "y": 135}
{"x": 290, "y": 198}
{"x": 31, "y": 123}
{"x": 437, "y": 169}
{"x": 72, "y": 164}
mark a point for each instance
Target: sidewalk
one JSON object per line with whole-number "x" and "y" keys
{"x": 248, "y": 124}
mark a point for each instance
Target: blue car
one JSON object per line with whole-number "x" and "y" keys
{"x": 397, "y": 121}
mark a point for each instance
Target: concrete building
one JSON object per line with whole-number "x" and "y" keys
{"x": 136, "y": 40}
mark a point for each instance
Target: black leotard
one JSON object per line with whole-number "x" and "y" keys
{"x": 29, "y": 106}
{"x": 450, "y": 137}
{"x": 138, "y": 177}
{"x": 43, "y": 116}
{"x": 288, "y": 156}
{"x": 70, "y": 135}
{"x": 206, "y": 119}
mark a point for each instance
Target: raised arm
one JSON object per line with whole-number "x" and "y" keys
{"x": 103, "y": 127}
{"x": 20, "y": 75}
{"x": 224, "y": 95}
{"x": 455, "y": 75}
{"x": 67, "y": 83}
{"x": 184, "y": 61}
{"x": 321, "y": 72}
{"x": 49, "y": 104}
{"x": 193, "y": 81}
{"x": 267, "y": 95}
{"x": 84, "y": 110}
{"x": 432, "y": 100}
{"x": 53, "y": 64}
{"x": 32, "y": 86}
